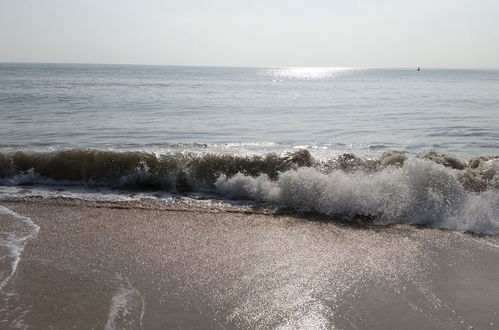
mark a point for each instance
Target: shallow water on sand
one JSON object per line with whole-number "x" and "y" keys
{"x": 213, "y": 269}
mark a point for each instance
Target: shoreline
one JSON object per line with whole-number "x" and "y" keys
{"x": 149, "y": 264}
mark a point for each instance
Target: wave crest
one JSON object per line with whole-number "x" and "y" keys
{"x": 179, "y": 171}
{"x": 419, "y": 192}
{"x": 431, "y": 189}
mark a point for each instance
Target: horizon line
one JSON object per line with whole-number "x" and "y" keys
{"x": 251, "y": 66}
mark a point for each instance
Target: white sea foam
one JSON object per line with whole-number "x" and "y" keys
{"x": 432, "y": 189}
{"x": 419, "y": 192}
{"x": 14, "y": 239}
{"x": 102, "y": 194}
{"x": 127, "y": 307}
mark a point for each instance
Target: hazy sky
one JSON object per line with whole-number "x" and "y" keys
{"x": 383, "y": 33}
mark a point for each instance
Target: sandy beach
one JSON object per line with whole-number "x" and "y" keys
{"x": 146, "y": 265}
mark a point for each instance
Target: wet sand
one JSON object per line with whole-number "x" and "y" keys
{"x": 147, "y": 265}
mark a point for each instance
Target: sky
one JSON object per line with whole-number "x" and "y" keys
{"x": 262, "y": 33}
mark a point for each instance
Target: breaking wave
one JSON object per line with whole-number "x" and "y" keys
{"x": 177, "y": 172}
{"x": 432, "y": 189}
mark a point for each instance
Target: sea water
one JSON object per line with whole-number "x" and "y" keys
{"x": 260, "y": 109}
{"x": 393, "y": 144}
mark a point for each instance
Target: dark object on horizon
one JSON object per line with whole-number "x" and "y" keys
{"x": 419, "y": 69}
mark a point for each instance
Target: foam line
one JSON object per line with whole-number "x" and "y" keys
{"x": 127, "y": 301}
{"x": 15, "y": 241}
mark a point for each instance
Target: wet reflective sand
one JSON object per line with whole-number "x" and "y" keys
{"x": 115, "y": 266}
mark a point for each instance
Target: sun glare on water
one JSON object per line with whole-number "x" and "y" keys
{"x": 309, "y": 72}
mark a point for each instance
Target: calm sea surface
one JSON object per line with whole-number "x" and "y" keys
{"x": 245, "y": 110}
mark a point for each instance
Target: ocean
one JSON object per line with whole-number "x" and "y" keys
{"x": 397, "y": 145}
{"x": 152, "y": 197}
{"x": 242, "y": 110}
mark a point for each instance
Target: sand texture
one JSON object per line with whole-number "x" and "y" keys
{"x": 158, "y": 266}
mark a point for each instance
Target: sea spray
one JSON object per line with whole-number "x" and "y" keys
{"x": 419, "y": 192}
{"x": 431, "y": 189}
